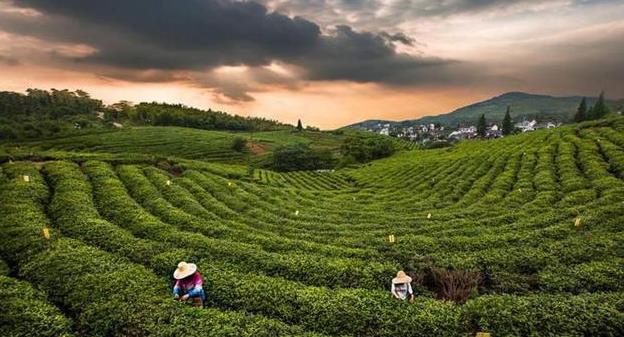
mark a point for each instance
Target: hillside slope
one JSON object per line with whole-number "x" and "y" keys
{"x": 523, "y": 106}
{"x": 525, "y": 227}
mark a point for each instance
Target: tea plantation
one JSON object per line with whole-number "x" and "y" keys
{"x": 521, "y": 236}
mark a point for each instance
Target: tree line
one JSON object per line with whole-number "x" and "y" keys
{"x": 163, "y": 114}
{"x": 507, "y": 125}
{"x": 585, "y": 113}
{"x": 41, "y": 113}
{"x": 356, "y": 148}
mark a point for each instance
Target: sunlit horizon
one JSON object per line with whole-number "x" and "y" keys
{"x": 329, "y": 65}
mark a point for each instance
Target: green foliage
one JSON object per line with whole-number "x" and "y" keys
{"x": 42, "y": 103}
{"x": 600, "y": 109}
{"x": 363, "y": 148}
{"x": 104, "y": 294}
{"x": 508, "y": 125}
{"x": 238, "y": 144}
{"x": 548, "y": 315}
{"x": 26, "y": 312}
{"x": 300, "y": 157}
{"x": 162, "y": 114}
{"x": 524, "y": 229}
{"x": 4, "y": 268}
{"x": 481, "y": 126}
{"x": 42, "y": 113}
{"x": 526, "y": 106}
{"x": 581, "y": 111}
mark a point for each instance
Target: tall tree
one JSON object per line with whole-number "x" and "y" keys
{"x": 507, "y": 122}
{"x": 481, "y": 126}
{"x": 299, "y": 125}
{"x": 600, "y": 108}
{"x": 581, "y": 111}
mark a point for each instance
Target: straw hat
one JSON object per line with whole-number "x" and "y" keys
{"x": 401, "y": 278}
{"x": 184, "y": 270}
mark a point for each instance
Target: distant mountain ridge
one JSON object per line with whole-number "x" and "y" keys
{"x": 523, "y": 106}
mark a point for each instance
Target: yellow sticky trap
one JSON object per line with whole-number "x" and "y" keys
{"x": 297, "y": 212}
{"x": 429, "y": 216}
{"x": 168, "y": 182}
{"x": 26, "y": 178}
{"x": 578, "y": 223}
{"x": 391, "y": 238}
{"x": 46, "y": 233}
{"x": 483, "y": 334}
{"x": 229, "y": 183}
{"x": 520, "y": 190}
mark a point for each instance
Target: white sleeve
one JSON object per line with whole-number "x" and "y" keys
{"x": 409, "y": 288}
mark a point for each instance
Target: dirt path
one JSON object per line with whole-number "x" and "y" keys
{"x": 257, "y": 148}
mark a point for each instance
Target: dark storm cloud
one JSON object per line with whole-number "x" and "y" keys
{"x": 179, "y": 34}
{"x": 204, "y": 34}
{"x": 368, "y": 57}
{"x": 368, "y": 11}
{"x": 398, "y": 37}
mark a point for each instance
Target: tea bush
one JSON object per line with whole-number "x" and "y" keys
{"x": 531, "y": 222}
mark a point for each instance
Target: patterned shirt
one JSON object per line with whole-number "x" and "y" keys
{"x": 402, "y": 289}
{"x": 192, "y": 286}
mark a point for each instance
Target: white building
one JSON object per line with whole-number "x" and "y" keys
{"x": 526, "y": 126}
{"x": 464, "y": 133}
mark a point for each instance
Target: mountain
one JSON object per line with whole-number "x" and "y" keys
{"x": 523, "y": 106}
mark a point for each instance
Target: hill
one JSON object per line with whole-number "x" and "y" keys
{"x": 496, "y": 235}
{"x": 523, "y": 106}
{"x": 41, "y": 114}
{"x": 162, "y": 143}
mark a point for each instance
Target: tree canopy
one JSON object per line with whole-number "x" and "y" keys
{"x": 179, "y": 115}
{"x": 508, "y": 122}
{"x": 361, "y": 148}
{"x": 299, "y": 156}
{"x": 599, "y": 110}
{"x": 481, "y": 126}
{"x": 581, "y": 111}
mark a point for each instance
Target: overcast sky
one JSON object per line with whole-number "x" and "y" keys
{"x": 328, "y": 62}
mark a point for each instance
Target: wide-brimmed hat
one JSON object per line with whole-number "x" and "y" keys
{"x": 401, "y": 278}
{"x": 184, "y": 270}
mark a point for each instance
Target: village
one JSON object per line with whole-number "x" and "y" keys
{"x": 428, "y": 133}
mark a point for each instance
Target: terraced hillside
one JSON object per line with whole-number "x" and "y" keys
{"x": 534, "y": 224}
{"x": 148, "y": 143}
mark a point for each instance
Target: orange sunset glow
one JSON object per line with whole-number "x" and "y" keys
{"x": 329, "y": 64}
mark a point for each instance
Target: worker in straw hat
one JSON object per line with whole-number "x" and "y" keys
{"x": 189, "y": 284}
{"x": 402, "y": 286}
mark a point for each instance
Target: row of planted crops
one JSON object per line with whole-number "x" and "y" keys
{"x": 308, "y": 253}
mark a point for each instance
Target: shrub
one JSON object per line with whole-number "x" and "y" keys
{"x": 25, "y": 312}
{"x": 238, "y": 144}
{"x": 451, "y": 285}
{"x": 547, "y": 315}
{"x": 364, "y": 148}
{"x": 299, "y": 156}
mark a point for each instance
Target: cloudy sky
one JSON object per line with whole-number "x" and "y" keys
{"x": 328, "y": 62}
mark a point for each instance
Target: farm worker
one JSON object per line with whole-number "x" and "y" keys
{"x": 189, "y": 284}
{"x": 401, "y": 286}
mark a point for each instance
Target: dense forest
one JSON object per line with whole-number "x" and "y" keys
{"x": 42, "y": 113}
{"x": 179, "y": 115}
